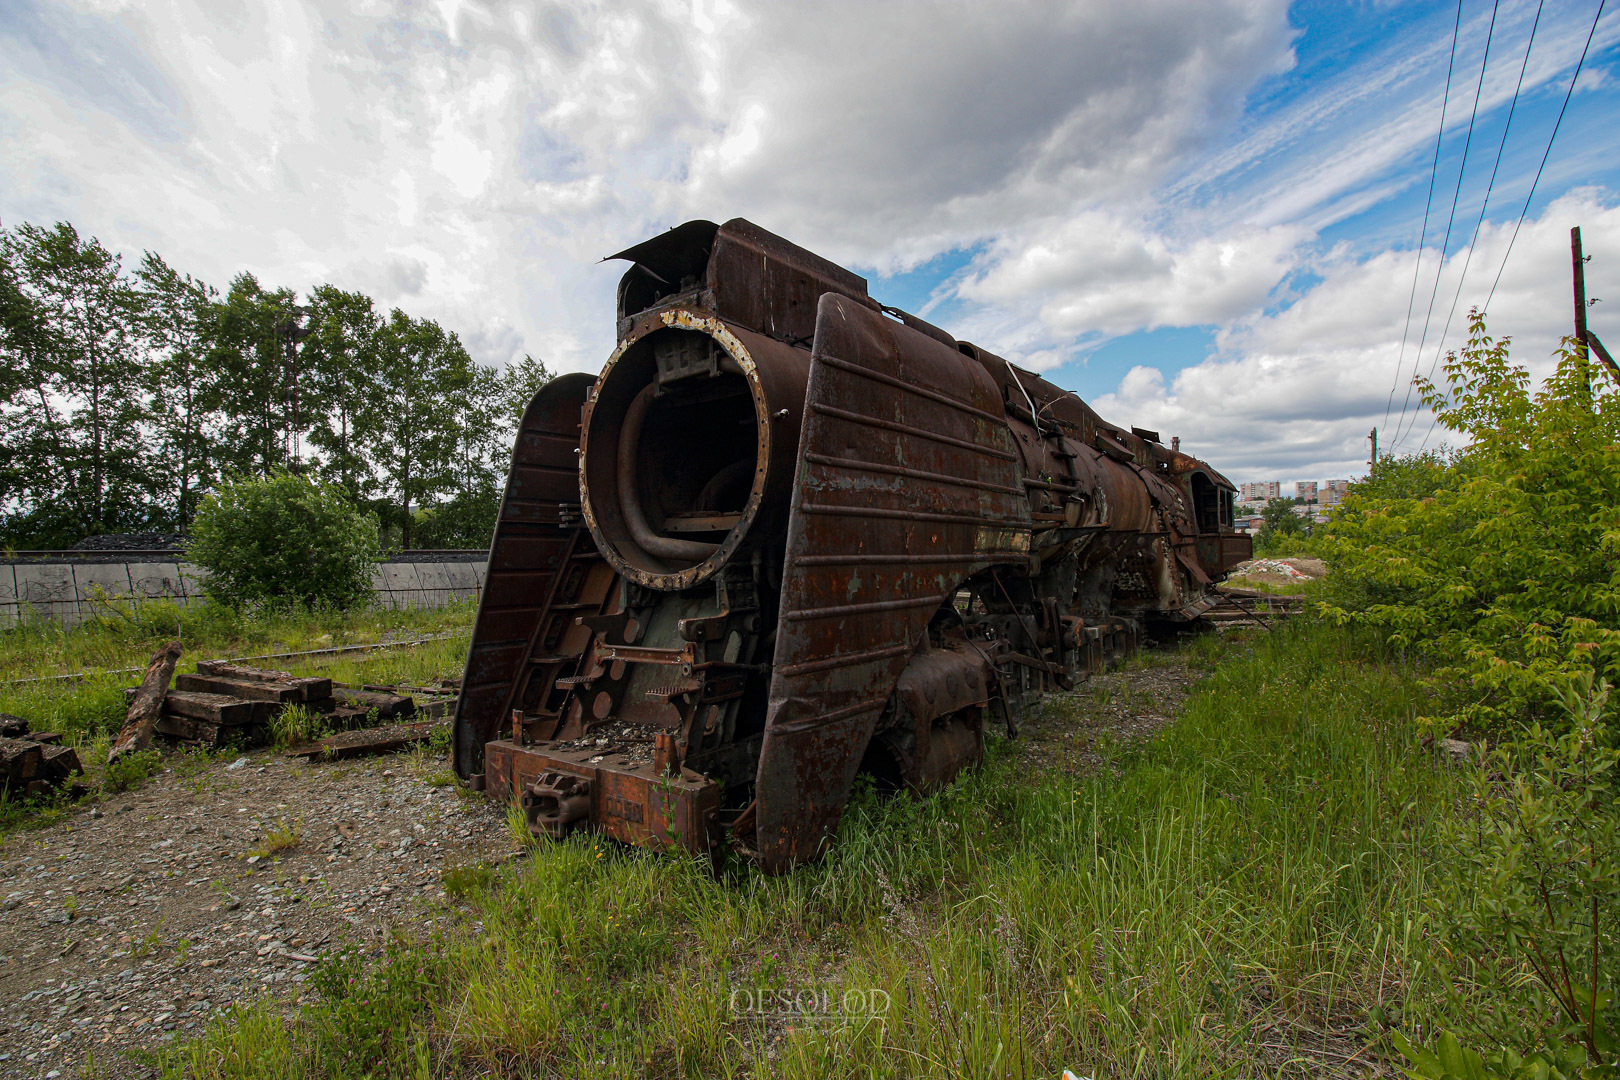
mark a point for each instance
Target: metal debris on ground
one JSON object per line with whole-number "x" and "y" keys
{"x": 145, "y": 708}
{"x": 1239, "y": 605}
{"x": 226, "y": 703}
{"x": 377, "y": 740}
{"x": 387, "y": 704}
{"x": 1273, "y": 566}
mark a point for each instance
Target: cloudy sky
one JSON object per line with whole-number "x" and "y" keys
{"x": 1202, "y": 215}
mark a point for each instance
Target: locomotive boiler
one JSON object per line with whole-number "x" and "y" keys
{"x": 789, "y": 535}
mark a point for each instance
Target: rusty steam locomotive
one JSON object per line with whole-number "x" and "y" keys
{"x": 789, "y": 534}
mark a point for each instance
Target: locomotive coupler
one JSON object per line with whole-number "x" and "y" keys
{"x": 555, "y": 802}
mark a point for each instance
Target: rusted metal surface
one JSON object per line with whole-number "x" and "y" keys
{"x": 910, "y": 484}
{"x": 538, "y": 529}
{"x": 146, "y": 706}
{"x": 806, "y": 536}
{"x": 562, "y": 788}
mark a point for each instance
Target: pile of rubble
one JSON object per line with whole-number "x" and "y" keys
{"x": 35, "y": 763}
{"x": 142, "y": 541}
{"x": 1272, "y": 566}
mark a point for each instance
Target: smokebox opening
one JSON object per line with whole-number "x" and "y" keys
{"x": 673, "y": 455}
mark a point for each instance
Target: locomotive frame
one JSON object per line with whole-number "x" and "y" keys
{"x": 788, "y": 535}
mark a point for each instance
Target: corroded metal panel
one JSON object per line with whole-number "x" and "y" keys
{"x": 539, "y": 523}
{"x": 819, "y": 536}
{"x": 909, "y": 483}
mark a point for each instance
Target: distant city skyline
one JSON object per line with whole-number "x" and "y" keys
{"x": 1310, "y": 490}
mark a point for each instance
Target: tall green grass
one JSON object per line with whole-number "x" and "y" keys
{"x": 1243, "y": 892}
{"x": 125, "y": 636}
{"x": 87, "y": 710}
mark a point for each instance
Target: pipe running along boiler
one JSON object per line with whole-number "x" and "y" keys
{"x": 789, "y": 535}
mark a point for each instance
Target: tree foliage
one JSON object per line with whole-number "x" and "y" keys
{"x": 284, "y": 539}
{"x": 125, "y": 397}
{"x": 1527, "y": 902}
{"x": 1495, "y": 566}
{"x": 1495, "y": 563}
{"x": 1278, "y": 520}
{"x": 178, "y": 382}
{"x": 77, "y": 341}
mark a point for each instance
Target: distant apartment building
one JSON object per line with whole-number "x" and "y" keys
{"x": 1333, "y": 492}
{"x": 1260, "y": 490}
{"x": 1305, "y": 489}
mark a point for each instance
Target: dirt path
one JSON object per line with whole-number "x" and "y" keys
{"x": 129, "y": 926}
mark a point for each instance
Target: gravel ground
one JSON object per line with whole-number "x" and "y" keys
{"x": 130, "y": 925}
{"x": 1068, "y": 730}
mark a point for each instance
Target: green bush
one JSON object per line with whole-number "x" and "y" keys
{"x": 1495, "y": 564}
{"x": 466, "y": 521}
{"x": 1450, "y": 1060}
{"x": 1533, "y": 881}
{"x": 284, "y": 540}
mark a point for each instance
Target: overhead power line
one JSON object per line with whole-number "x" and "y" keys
{"x": 1490, "y": 186}
{"x": 1456, "y": 195}
{"x": 1434, "y": 170}
{"x": 1546, "y": 153}
{"x": 1573, "y": 79}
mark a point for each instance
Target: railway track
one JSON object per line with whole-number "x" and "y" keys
{"x": 1238, "y": 605}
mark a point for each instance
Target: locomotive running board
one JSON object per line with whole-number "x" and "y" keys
{"x": 910, "y": 483}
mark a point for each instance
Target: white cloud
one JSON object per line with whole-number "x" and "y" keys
{"x": 1098, "y": 274}
{"x": 1323, "y": 157}
{"x": 520, "y": 142}
{"x": 887, "y": 133}
{"x": 1301, "y": 388}
{"x": 1113, "y": 167}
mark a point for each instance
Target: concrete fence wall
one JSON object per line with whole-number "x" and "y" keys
{"x": 71, "y": 589}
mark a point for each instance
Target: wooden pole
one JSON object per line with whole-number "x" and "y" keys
{"x": 1584, "y": 338}
{"x": 1579, "y": 265}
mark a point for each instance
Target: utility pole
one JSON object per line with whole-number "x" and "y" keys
{"x": 1584, "y": 338}
{"x": 1372, "y": 455}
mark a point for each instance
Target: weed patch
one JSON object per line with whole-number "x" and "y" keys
{"x": 281, "y": 837}
{"x": 463, "y": 881}
{"x": 295, "y": 725}
{"x": 132, "y": 770}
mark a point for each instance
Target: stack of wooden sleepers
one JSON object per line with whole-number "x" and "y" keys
{"x": 34, "y": 763}
{"x": 225, "y": 703}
